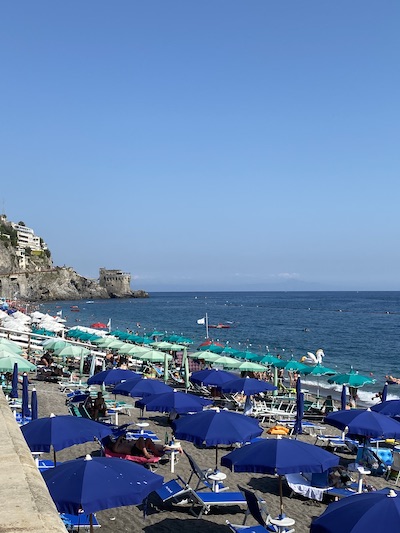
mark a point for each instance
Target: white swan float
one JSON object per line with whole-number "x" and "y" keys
{"x": 315, "y": 359}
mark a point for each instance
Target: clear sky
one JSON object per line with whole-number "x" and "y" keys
{"x": 206, "y": 144}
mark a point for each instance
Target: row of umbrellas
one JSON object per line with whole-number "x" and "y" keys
{"x": 213, "y": 427}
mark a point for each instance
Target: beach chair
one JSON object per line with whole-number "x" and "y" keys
{"x": 207, "y": 500}
{"x": 151, "y": 463}
{"x": 78, "y": 522}
{"x": 377, "y": 460}
{"x": 256, "y": 507}
{"x": 202, "y": 476}
{"x": 316, "y": 486}
{"x": 394, "y": 469}
{"x": 174, "y": 491}
{"x": 46, "y": 464}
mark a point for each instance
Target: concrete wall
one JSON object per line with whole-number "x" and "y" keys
{"x": 26, "y": 505}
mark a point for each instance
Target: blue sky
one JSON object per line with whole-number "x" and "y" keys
{"x": 206, "y": 145}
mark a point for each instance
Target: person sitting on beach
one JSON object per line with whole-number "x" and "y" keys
{"x": 328, "y": 406}
{"x": 99, "y": 406}
{"x": 140, "y": 447}
{"x": 88, "y": 404}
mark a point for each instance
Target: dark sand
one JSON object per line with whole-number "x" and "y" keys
{"x": 177, "y": 518}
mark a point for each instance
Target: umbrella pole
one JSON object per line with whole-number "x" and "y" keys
{"x": 216, "y": 458}
{"x": 54, "y": 457}
{"x": 281, "y": 495}
{"x": 91, "y": 522}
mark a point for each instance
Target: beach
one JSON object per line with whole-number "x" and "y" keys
{"x": 170, "y": 519}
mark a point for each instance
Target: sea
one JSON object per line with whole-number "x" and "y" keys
{"x": 358, "y": 330}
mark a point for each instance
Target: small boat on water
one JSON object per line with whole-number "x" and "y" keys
{"x": 219, "y": 326}
{"x": 74, "y": 308}
{"x": 90, "y": 302}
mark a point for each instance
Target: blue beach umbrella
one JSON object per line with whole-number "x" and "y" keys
{"x": 279, "y": 456}
{"x": 384, "y": 392}
{"x": 248, "y": 386}
{"x": 298, "y": 428}
{"x": 369, "y": 511}
{"x": 212, "y": 377}
{"x": 34, "y": 404}
{"x": 364, "y": 422}
{"x": 389, "y": 408}
{"x": 113, "y": 376}
{"x": 14, "y": 382}
{"x": 96, "y": 483}
{"x": 343, "y": 398}
{"x": 62, "y": 432}
{"x": 213, "y": 427}
{"x": 173, "y": 402}
{"x": 141, "y": 388}
{"x": 25, "y": 413}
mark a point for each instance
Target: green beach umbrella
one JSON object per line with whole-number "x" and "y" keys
{"x": 249, "y": 356}
{"x": 55, "y": 344}
{"x": 208, "y": 357}
{"x": 227, "y": 362}
{"x": 269, "y": 359}
{"x": 72, "y": 351}
{"x": 318, "y": 371}
{"x": 103, "y": 342}
{"x": 292, "y": 366}
{"x": 351, "y": 379}
{"x": 154, "y": 356}
{"x": 10, "y": 345}
{"x": 250, "y": 366}
{"x": 7, "y": 352}
{"x": 177, "y": 347}
{"x": 132, "y": 349}
{"x": 7, "y": 364}
{"x": 162, "y": 345}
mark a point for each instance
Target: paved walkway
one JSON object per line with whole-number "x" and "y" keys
{"x": 26, "y": 505}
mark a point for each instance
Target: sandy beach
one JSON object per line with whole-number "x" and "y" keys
{"x": 173, "y": 518}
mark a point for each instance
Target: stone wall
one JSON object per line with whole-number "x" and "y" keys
{"x": 26, "y": 504}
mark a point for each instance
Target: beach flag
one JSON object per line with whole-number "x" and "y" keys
{"x": 59, "y": 313}
{"x": 109, "y": 324}
{"x": 202, "y": 321}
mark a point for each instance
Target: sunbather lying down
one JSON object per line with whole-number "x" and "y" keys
{"x": 140, "y": 447}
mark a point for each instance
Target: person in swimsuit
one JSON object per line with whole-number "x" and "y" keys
{"x": 140, "y": 447}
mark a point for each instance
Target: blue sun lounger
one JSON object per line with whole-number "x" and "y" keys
{"x": 207, "y": 500}
{"x": 78, "y": 522}
{"x": 176, "y": 491}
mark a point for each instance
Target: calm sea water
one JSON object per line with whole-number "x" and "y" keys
{"x": 359, "y": 329}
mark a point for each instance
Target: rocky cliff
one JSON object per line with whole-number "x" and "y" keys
{"x": 43, "y": 282}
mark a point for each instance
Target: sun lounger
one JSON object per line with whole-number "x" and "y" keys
{"x": 151, "y": 461}
{"x": 132, "y": 434}
{"x": 178, "y": 492}
{"x": 202, "y": 476}
{"x": 258, "y": 510}
{"x": 45, "y": 464}
{"x": 207, "y": 500}
{"x": 78, "y": 522}
{"x": 314, "y": 490}
{"x": 174, "y": 491}
{"x": 337, "y": 443}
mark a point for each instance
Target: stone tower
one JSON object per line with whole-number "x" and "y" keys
{"x": 116, "y": 283}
